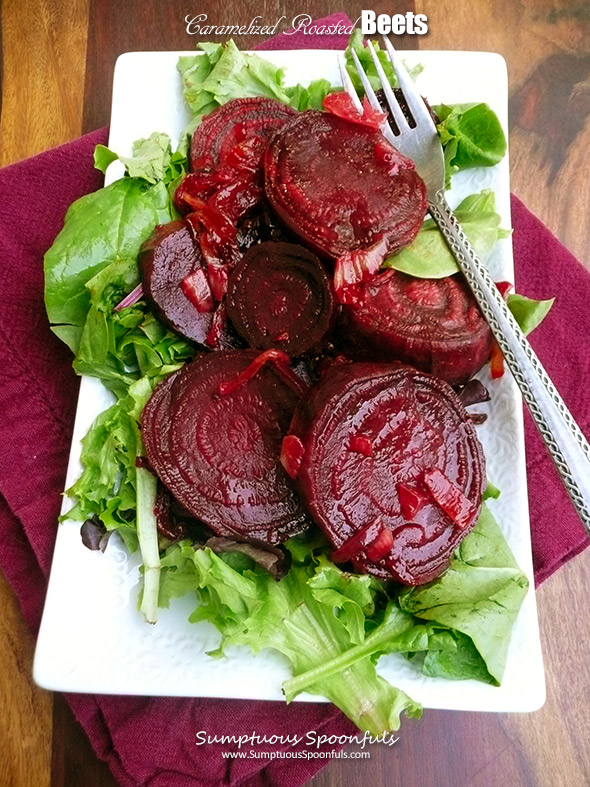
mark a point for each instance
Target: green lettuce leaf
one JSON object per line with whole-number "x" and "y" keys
{"x": 333, "y": 626}
{"x": 311, "y": 616}
{"x": 429, "y": 257}
{"x": 221, "y": 72}
{"x": 107, "y": 486}
{"x": 479, "y": 596}
{"x": 528, "y": 312}
{"x": 310, "y": 97}
{"x": 121, "y": 347}
{"x": 471, "y": 136}
{"x": 460, "y": 624}
{"x": 100, "y": 228}
{"x": 152, "y": 159}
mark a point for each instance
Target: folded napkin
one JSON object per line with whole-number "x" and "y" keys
{"x": 151, "y": 740}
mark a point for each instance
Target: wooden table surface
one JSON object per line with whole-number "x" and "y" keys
{"x": 58, "y": 59}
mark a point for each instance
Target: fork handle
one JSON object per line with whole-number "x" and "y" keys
{"x": 563, "y": 437}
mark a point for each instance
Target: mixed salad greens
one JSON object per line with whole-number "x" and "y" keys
{"x": 333, "y": 626}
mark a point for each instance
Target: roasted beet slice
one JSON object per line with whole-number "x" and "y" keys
{"x": 346, "y": 191}
{"x": 236, "y": 121}
{"x": 175, "y": 282}
{"x": 280, "y": 296}
{"x": 433, "y": 324}
{"x": 400, "y": 509}
{"x": 218, "y": 454}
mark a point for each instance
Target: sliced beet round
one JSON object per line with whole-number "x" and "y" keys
{"x": 231, "y": 124}
{"x": 392, "y": 470}
{"x": 345, "y": 190}
{"x": 218, "y": 454}
{"x": 280, "y": 296}
{"x": 433, "y": 324}
{"x": 175, "y": 282}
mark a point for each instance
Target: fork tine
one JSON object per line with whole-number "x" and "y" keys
{"x": 370, "y": 93}
{"x": 348, "y": 86}
{"x": 396, "y": 111}
{"x": 414, "y": 100}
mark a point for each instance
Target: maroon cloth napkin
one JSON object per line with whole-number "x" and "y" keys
{"x": 151, "y": 740}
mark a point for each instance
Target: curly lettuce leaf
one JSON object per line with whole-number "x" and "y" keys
{"x": 120, "y": 347}
{"x": 222, "y": 72}
{"x": 429, "y": 257}
{"x": 333, "y": 626}
{"x": 310, "y": 97}
{"x": 312, "y": 616}
{"x": 107, "y": 486}
{"x": 152, "y": 159}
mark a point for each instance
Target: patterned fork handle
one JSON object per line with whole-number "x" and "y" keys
{"x": 563, "y": 437}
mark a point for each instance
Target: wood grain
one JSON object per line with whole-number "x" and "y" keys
{"x": 25, "y": 721}
{"x": 44, "y": 49}
{"x": 52, "y": 94}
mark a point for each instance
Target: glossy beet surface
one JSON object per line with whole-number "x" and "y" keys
{"x": 373, "y": 435}
{"x": 343, "y": 188}
{"x": 219, "y": 454}
{"x": 169, "y": 261}
{"x": 254, "y": 119}
{"x": 433, "y": 324}
{"x": 280, "y": 296}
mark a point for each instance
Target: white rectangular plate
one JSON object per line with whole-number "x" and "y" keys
{"x": 93, "y": 638}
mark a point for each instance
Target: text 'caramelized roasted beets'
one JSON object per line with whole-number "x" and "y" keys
{"x": 433, "y": 324}
{"x": 280, "y": 296}
{"x": 392, "y": 470}
{"x": 345, "y": 190}
{"x": 218, "y": 453}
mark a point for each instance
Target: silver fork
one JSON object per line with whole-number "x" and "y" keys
{"x": 563, "y": 437}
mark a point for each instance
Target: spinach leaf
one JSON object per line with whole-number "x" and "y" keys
{"x": 527, "y": 312}
{"x": 479, "y": 595}
{"x": 100, "y": 228}
{"x": 429, "y": 257}
{"x": 471, "y": 135}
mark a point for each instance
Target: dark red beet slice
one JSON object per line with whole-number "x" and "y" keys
{"x": 240, "y": 119}
{"x": 280, "y": 296}
{"x": 345, "y": 191}
{"x": 433, "y": 324}
{"x": 173, "y": 278}
{"x": 219, "y": 454}
{"x": 419, "y": 434}
{"x": 226, "y": 184}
